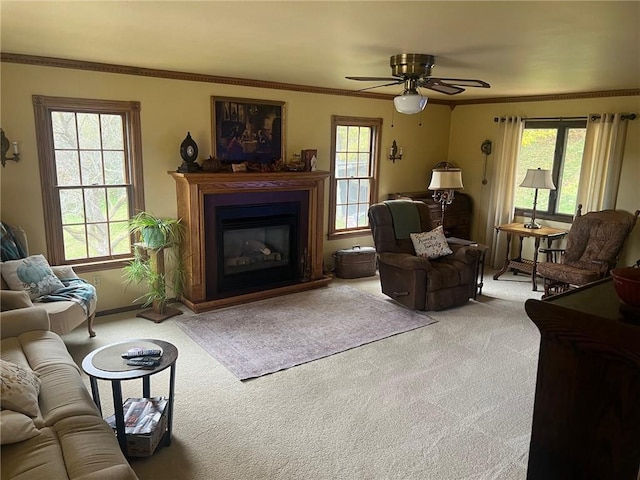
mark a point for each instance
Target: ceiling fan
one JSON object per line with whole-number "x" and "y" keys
{"x": 414, "y": 71}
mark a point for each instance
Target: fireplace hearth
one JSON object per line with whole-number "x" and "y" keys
{"x": 250, "y": 235}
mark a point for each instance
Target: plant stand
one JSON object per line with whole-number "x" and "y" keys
{"x": 157, "y": 261}
{"x": 151, "y": 314}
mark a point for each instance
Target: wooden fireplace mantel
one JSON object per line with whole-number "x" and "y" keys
{"x": 191, "y": 189}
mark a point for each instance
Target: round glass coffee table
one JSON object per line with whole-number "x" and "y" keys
{"x": 106, "y": 363}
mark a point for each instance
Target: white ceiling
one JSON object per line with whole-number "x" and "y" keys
{"x": 520, "y": 48}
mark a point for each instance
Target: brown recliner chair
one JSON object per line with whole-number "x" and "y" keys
{"x": 416, "y": 282}
{"x": 594, "y": 243}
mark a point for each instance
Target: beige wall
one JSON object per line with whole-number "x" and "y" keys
{"x": 170, "y": 108}
{"x": 472, "y": 124}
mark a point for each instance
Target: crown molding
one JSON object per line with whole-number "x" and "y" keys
{"x": 552, "y": 97}
{"x": 245, "y": 82}
{"x": 186, "y": 76}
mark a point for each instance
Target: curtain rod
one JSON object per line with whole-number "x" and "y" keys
{"x": 626, "y": 116}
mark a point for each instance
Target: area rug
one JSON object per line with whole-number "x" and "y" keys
{"x": 275, "y": 334}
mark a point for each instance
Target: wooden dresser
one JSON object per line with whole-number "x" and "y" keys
{"x": 586, "y": 416}
{"x": 457, "y": 215}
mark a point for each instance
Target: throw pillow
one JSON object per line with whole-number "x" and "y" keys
{"x": 431, "y": 244}
{"x": 32, "y": 274}
{"x": 64, "y": 271}
{"x": 16, "y": 427}
{"x": 19, "y": 389}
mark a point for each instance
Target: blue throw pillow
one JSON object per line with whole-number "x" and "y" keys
{"x": 32, "y": 274}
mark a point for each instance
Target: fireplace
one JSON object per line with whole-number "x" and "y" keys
{"x": 250, "y": 235}
{"x": 254, "y": 241}
{"x": 255, "y": 251}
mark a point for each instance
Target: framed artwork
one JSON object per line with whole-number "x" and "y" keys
{"x": 310, "y": 159}
{"x": 247, "y": 130}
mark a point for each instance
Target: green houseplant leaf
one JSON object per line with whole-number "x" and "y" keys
{"x": 159, "y": 235}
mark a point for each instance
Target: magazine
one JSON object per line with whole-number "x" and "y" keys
{"x": 141, "y": 415}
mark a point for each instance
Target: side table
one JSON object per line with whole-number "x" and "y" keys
{"x": 518, "y": 264}
{"x": 479, "y": 266}
{"x": 114, "y": 369}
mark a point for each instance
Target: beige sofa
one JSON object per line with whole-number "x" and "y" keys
{"x": 72, "y": 440}
{"x": 64, "y": 315}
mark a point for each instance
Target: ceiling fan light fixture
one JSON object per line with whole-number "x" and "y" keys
{"x": 410, "y": 102}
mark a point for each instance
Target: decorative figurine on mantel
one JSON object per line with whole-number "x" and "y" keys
{"x": 189, "y": 153}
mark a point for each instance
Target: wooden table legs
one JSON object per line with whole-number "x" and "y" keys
{"x": 505, "y": 266}
{"x": 519, "y": 264}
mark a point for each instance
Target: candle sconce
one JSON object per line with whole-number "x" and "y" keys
{"x": 395, "y": 153}
{"x": 5, "y": 144}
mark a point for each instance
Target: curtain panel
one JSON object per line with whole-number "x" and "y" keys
{"x": 502, "y": 194}
{"x": 602, "y": 161}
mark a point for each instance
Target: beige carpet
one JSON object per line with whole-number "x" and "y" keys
{"x": 271, "y": 335}
{"x": 448, "y": 402}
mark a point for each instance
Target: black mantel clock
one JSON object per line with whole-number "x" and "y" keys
{"x": 189, "y": 153}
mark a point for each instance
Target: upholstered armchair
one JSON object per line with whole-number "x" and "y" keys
{"x": 594, "y": 243}
{"x": 418, "y": 282}
{"x": 64, "y": 315}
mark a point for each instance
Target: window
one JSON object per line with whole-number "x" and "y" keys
{"x": 91, "y": 175}
{"x": 555, "y": 146}
{"x": 355, "y": 143}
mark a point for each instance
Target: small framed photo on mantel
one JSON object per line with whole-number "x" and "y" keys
{"x": 310, "y": 159}
{"x": 247, "y": 130}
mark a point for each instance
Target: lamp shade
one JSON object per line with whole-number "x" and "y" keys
{"x": 446, "y": 179}
{"x": 410, "y": 102}
{"x": 537, "y": 178}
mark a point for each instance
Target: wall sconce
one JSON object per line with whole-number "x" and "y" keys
{"x": 395, "y": 153}
{"x": 444, "y": 183}
{"x": 5, "y": 148}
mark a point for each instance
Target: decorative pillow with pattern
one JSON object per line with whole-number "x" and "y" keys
{"x": 19, "y": 389}
{"x": 431, "y": 244}
{"x": 32, "y": 274}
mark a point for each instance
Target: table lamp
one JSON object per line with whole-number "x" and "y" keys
{"x": 537, "y": 178}
{"x": 444, "y": 182}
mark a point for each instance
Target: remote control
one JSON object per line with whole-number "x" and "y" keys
{"x": 138, "y": 352}
{"x": 142, "y": 362}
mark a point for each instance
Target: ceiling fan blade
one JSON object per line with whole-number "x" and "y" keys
{"x": 375, "y": 79}
{"x": 461, "y": 82}
{"x": 378, "y": 86}
{"x": 441, "y": 87}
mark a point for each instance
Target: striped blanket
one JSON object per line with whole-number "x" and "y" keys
{"x": 76, "y": 290}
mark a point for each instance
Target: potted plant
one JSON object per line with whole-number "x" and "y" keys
{"x": 156, "y": 236}
{"x": 156, "y": 232}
